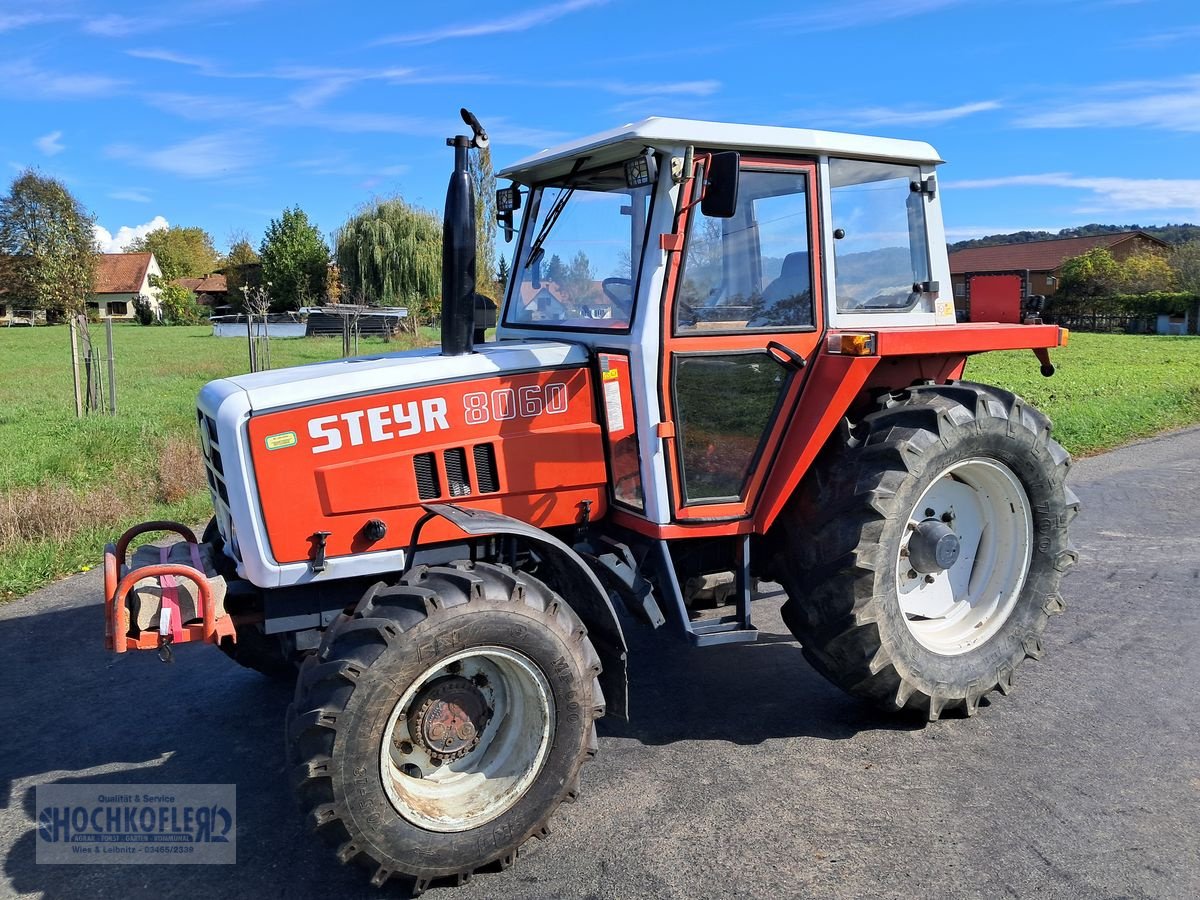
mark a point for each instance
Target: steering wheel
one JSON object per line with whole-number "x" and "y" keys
{"x": 625, "y": 297}
{"x": 622, "y": 298}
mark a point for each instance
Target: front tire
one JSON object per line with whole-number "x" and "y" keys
{"x": 883, "y": 612}
{"x": 443, "y": 722}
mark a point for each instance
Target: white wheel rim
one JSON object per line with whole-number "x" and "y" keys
{"x": 960, "y": 608}
{"x": 464, "y": 793}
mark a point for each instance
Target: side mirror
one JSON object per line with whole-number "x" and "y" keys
{"x": 721, "y": 185}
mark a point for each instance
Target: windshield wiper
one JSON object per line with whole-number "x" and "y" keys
{"x": 535, "y": 249}
{"x": 564, "y": 194}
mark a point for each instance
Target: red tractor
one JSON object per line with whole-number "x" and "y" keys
{"x": 726, "y": 353}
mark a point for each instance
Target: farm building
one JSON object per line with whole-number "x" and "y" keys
{"x": 211, "y": 290}
{"x": 1038, "y": 262}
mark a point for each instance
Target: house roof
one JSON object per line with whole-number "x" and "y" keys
{"x": 209, "y": 284}
{"x": 121, "y": 273}
{"x": 1037, "y": 256}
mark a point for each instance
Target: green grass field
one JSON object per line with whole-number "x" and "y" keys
{"x": 67, "y": 486}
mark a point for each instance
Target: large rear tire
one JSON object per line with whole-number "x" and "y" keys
{"x": 443, "y": 722}
{"x": 925, "y": 552}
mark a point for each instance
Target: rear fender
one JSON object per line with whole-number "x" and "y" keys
{"x": 574, "y": 580}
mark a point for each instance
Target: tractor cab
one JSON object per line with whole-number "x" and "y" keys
{"x": 703, "y": 264}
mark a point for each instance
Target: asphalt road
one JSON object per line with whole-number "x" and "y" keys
{"x": 743, "y": 773}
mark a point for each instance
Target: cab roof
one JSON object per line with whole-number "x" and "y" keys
{"x": 663, "y": 133}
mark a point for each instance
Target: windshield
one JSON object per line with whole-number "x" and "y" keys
{"x": 580, "y": 258}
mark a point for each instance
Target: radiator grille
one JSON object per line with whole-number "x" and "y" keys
{"x": 427, "y": 476}
{"x": 214, "y": 466}
{"x": 485, "y": 468}
{"x": 456, "y": 471}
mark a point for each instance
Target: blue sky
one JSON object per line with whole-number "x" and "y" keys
{"x": 220, "y": 113}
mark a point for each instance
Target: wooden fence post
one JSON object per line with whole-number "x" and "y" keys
{"x": 75, "y": 368}
{"x": 112, "y": 368}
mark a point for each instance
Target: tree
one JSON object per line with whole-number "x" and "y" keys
{"x": 480, "y": 165}
{"x": 182, "y": 252}
{"x": 1092, "y": 274}
{"x": 242, "y": 267}
{"x": 47, "y": 237}
{"x": 295, "y": 260}
{"x": 502, "y": 275}
{"x": 390, "y": 253}
{"x": 1185, "y": 262}
{"x": 555, "y": 270}
{"x": 1147, "y": 271}
{"x": 179, "y": 306}
{"x": 578, "y": 282}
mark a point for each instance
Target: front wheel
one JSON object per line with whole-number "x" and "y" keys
{"x": 926, "y": 552}
{"x": 442, "y": 723}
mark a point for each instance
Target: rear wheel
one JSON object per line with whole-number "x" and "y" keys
{"x": 443, "y": 722}
{"x": 926, "y": 551}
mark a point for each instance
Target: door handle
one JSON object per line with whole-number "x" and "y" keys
{"x": 786, "y": 355}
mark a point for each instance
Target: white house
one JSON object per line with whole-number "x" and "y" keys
{"x": 120, "y": 277}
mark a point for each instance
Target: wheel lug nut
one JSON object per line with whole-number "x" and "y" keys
{"x": 930, "y": 579}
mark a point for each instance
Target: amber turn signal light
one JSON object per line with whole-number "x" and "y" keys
{"x": 859, "y": 343}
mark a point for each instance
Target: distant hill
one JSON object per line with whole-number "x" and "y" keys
{"x": 1172, "y": 234}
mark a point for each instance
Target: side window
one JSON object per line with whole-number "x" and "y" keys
{"x": 753, "y": 270}
{"x": 883, "y": 250}
{"x": 724, "y": 404}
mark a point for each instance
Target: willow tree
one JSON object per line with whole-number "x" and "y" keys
{"x": 480, "y": 165}
{"x": 390, "y": 253}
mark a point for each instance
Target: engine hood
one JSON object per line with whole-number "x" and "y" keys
{"x": 280, "y": 388}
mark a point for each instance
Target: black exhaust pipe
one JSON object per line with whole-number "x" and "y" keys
{"x": 458, "y": 246}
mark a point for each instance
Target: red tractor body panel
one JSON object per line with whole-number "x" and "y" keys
{"x": 526, "y": 445}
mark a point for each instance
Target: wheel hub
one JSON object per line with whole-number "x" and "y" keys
{"x": 450, "y": 715}
{"x": 933, "y": 548}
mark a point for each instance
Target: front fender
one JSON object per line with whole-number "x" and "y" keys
{"x": 574, "y": 580}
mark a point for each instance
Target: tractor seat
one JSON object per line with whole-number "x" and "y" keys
{"x": 787, "y": 301}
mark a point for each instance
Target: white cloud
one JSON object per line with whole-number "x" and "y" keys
{"x": 25, "y": 81}
{"x": 1165, "y": 38}
{"x": 1106, "y": 194}
{"x": 10, "y": 21}
{"x": 132, "y": 196}
{"x": 170, "y": 56}
{"x": 1171, "y": 104}
{"x": 838, "y": 16}
{"x": 51, "y": 144}
{"x": 883, "y": 115}
{"x": 532, "y": 18}
{"x": 106, "y": 242}
{"x": 207, "y": 156}
{"x": 113, "y": 25}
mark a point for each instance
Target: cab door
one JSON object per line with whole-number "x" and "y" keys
{"x": 742, "y": 319}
